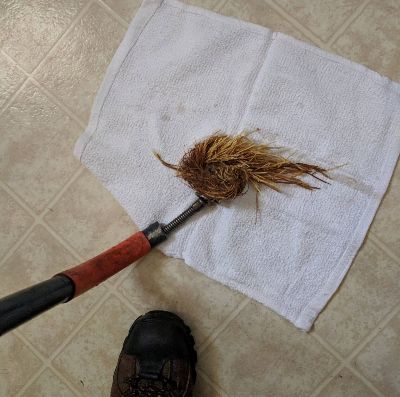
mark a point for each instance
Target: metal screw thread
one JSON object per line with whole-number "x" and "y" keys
{"x": 196, "y": 206}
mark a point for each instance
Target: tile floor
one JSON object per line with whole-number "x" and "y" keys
{"x": 53, "y": 214}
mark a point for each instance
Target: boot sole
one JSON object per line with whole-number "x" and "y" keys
{"x": 163, "y": 314}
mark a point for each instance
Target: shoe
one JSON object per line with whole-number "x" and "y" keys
{"x": 157, "y": 359}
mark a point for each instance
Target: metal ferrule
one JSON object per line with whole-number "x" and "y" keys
{"x": 155, "y": 234}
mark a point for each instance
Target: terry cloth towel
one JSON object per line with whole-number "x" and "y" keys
{"x": 182, "y": 73}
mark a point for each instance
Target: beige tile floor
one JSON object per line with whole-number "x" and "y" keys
{"x": 53, "y": 214}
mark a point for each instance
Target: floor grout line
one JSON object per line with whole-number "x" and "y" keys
{"x": 343, "y": 363}
{"x": 58, "y": 102}
{"x": 17, "y": 244}
{"x": 37, "y": 375}
{"x": 38, "y": 220}
{"x": 12, "y": 60}
{"x": 220, "y": 5}
{"x": 384, "y": 247}
{"x": 5, "y": 105}
{"x": 65, "y": 380}
{"x": 91, "y": 312}
{"x": 47, "y": 361}
{"x": 347, "y": 361}
{"x": 62, "y": 241}
{"x": 326, "y": 381}
{"x": 34, "y": 376}
{"x": 55, "y": 44}
{"x": 124, "y": 300}
{"x": 10, "y": 100}
{"x": 382, "y": 324}
{"x": 221, "y": 327}
{"x": 349, "y": 21}
{"x": 113, "y": 13}
{"x": 327, "y": 346}
{"x": 72, "y": 25}
{"x": 366, "y": 381}
{"x": 45, "y": 364}
{"x": 29, "y": 78}
{"x": 40, "y": 372}
{"x": 211, "y": 383}
{"x": 19, "y": 200}
{"x": 295, "y": 23}
{"x": 62, "y": 190}
{"x": 30, "y": 75}
{"x": 364, "y": 341}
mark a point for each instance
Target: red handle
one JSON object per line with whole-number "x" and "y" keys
{"x": 94, "y": 271}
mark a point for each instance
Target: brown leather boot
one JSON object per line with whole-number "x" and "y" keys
{"x": 157, "y": 359}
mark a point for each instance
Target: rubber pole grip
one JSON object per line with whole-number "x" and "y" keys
{"x": 23, "y": 305}
{"x": 96, "y": 270}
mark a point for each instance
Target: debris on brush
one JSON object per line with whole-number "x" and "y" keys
{"x": 222, "y": 167}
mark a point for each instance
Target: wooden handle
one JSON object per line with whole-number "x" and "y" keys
{"x": 92, "y": 272}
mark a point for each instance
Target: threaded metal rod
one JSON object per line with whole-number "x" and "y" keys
{"x": 196, "y": 206}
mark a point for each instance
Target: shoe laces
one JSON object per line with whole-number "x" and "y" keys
{"x": 144, "y": 387}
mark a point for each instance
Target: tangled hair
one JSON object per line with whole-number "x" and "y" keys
{"x": 222, "y": 167}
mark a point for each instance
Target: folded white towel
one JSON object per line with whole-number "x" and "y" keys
{"x": 182, "y": 73}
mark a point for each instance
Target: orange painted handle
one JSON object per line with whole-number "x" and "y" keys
{"x": 98, "y": 269}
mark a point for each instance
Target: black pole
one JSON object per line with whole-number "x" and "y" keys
{"x": 22, "y": 306}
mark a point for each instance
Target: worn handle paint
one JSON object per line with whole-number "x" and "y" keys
{"x": 96, "y": 270}
{"x": 17, "y": 308}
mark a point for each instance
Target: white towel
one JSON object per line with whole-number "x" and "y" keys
{"x": 182, "y": 73}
